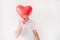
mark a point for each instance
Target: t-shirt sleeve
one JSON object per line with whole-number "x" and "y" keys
{"x": 34, "y": 26}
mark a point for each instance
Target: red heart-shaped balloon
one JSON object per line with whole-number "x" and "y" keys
{"x": 23, "y": 11}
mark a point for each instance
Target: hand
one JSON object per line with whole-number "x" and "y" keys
{"x": 25, "y": 20}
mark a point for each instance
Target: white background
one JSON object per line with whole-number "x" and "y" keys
{"x": 45, "y": 12}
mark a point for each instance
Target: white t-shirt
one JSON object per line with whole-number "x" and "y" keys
{"x": 27, "y": 33}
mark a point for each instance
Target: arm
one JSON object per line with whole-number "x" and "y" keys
{"x": 36, "y": 35}
{"x": 19, "y": 30}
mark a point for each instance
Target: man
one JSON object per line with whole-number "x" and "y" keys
{"x": 27, "y": 27}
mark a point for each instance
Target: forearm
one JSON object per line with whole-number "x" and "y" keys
{"x": 19, "y": 30}
{"x": 36, "y": 35}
